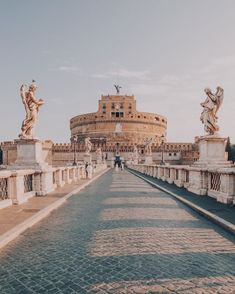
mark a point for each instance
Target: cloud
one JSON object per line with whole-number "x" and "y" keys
{"x": 217, "y": 72}
{"x": 124, "y": 73}
{"x": 148, "y": 89}
{"x": 100, "y": 76}
{"x": 160, "y": 86}
{"x": 69, "y": 69}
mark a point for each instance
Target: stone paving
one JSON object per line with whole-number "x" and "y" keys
{"x": 16, "y": 214}
{"x": 120, "y": 235}
{"x": 224, "y": 211}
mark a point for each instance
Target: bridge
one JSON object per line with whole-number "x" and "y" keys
{"x": 119, "y": 234}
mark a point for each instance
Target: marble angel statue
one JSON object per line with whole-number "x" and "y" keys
{"x": 211, "y": 106}
{"x": 88, "y": 145}
{"x": 148, "y": 147}
{"x": 32, "y": 106}
{"x": 135, "y": 155}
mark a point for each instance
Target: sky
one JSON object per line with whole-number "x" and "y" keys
{"x": 164, "y": 52}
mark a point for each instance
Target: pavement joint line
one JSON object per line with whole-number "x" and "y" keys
{"x": 211, "y": 216}
{"x": 21, "y": 227}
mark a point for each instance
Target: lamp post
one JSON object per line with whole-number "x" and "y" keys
{"x": 162, "y": 145}
{"x": 74, "y": 151}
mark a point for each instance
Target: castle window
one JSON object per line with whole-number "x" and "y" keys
{"x": 121, "y": 105}
{"x": 138, "y": 116}
{"x": 175, "y": 154}
{"x": 104, "y": 106}
{"x": 144, "y": 116}
{"x": 113, "y": 105}
{"x": 117, "y": 114}
{"x": 157, "y": 118}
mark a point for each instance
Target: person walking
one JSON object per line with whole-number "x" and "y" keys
{"x": 86, "y": 170}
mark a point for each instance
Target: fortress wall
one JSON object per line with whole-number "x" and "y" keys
{"x": 117, "y": 120}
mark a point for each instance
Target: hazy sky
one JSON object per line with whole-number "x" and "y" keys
{"x": 164, "y": 52}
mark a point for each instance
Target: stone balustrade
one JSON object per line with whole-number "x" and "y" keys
{"x": 17, "y": 186}
{"x": 218, "y": 183}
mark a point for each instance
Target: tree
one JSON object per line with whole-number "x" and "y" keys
{"x": 230, "y": 149}
{"x": 1, "y": 156}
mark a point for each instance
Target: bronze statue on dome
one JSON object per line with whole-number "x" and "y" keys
{"x": 117, "y": 87}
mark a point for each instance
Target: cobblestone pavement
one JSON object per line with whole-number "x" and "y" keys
{"x": 120, "y": 235}
{"x": 224, "y": 211}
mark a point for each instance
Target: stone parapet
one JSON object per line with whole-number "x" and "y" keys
{"x": 17, "y": 186}
{"x": 215, "y": 182}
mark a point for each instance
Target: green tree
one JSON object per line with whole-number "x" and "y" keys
{"x": 231, "y": 150}
{"x": 1, "y": 156}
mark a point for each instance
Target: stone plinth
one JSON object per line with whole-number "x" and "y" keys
{"x": 212, "y": 152}
{"x": 99, "y": 159}
{"x": 87, "y": 158}
{"x": 29, "y": 155}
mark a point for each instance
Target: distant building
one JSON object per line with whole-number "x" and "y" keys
{"x": 118, "y": 123}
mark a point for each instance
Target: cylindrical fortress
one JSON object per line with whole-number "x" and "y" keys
{"x": 118, "y": 121}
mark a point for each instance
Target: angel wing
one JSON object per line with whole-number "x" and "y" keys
{"x": 23, "y": 90}
{"x": 220, "y": 97}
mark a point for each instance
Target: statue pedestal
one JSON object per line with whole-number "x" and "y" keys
{"x": 99, "y": 158}
{"x": 87, "y": 158}
{"x": 212, "y": 152}
{"x": 29, "y": 155}
{"x": 148, "y": 159}
{"x": 30, "y": 158}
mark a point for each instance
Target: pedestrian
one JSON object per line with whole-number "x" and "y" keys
{"x": 86, "y": 169}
